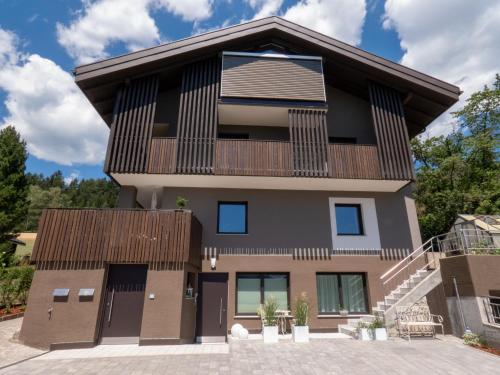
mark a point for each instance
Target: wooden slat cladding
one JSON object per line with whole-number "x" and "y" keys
{"x": 253, "y": 158}
{"x": 391, "y": 132}
{"x": 117, "y": 235}
{"x": 272, "y": 78}
{"x": 353, "y": 161}
{"x": 197, "y": 124}
{"x": 309, "y": 140}
{"x": 130, "y": 134}
{"x": 162, "y": 156}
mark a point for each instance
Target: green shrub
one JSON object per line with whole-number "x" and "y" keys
{"x": 24, "y": 283}
{"x": 268, "y": 312}
{"x": 181, "y": 202}
{"x": 474, "y": 340}
{"x": 301, "y": 310}
{"x": 14, "y": 285}
{"x": 377, "y": 322}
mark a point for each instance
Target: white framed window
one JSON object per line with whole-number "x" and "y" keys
{"x": 354, "y": 223}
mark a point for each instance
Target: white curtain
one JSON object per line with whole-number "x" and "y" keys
{"x": 353, "y": 293}
{"x": 276, "y": 286}
{"x": 248, "y": 295}
{"x": 328, "y": 296}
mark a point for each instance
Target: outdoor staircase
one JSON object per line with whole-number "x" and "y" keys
{"x": 410, "y": 280}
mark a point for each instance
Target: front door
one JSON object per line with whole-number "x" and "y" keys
{"x": 123, "y": 304}
{"x": 211, "y": 319}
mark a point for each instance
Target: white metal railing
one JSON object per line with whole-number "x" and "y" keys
{"x": 492, "y": 308}
{"x": 426, "y": 257}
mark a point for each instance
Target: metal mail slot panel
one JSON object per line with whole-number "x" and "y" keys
{"x": 60, "y": 292}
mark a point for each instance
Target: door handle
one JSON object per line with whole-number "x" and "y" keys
{"x": 111, "y": 306}
{"x": 220, "y": 313}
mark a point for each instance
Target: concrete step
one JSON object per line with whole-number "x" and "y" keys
{"x": 347, "y": 330}
{"x": 377, "y": 310}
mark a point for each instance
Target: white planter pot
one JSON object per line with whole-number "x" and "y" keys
{"x": 365, "y": 334}
{"x": 380, "y": 334}
{"x": 300, "y": 333}
{"x": 270, "y": 334}
{"x": 343, "y": 312}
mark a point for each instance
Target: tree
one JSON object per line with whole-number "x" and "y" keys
{"x": 460, "y": 173}
{"x": 39, "y": 199}
{"x": 13, "y": 188}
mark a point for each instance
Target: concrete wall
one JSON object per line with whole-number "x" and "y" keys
{"x": 476, "y": 276}
{"x": 71, "y": 320}
{"x": 302, "y": 278}
{"x": 289, "y": 219}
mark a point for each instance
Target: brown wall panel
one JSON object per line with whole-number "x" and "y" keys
{"x": 353, "y": 161}
{"x": 197, "y": 124}
{"x": 308, "y": 135}
{"x": 162, "y": 156}
{"x": 272, "y": 78}
{"x": 130, "y": 134}
{"x": 70, "y": 321}
{"x": 391, "y": 133}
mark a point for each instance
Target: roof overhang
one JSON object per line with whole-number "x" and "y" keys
{"x": 425, "y": 97}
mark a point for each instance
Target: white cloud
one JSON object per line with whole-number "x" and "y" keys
{"x": 103, "y": 22}
{"x": 265, "y": 8}
{"x": 341, "y": 19}
{"x": 8, "y": 52}
{"x": 455, "y": 41}
{"x": 72, "y": 176}
{"x": 48, "y": 109}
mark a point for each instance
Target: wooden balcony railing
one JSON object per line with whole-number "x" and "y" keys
{"x": 155, "y": 237}
{"x": 353, "y": 161}
{"x": 234, "y": 157}
{"x": 253, "y": 158}
{"x": 162, "y": 156}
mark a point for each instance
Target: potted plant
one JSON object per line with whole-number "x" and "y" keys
{"x": 364, "y": 331}
{"x": 343, "y": 311}
{"x": 181, "y": 203}
{"x": 378, "y": 328}
{"x": 300, "y": 330}
{"x": 269, "y": 320}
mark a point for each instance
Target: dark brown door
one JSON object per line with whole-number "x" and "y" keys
{"x": 211, "y": 320}
{"x": 123, "y": 304}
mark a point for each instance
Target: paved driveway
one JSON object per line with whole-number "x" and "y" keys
{"x": 330, "y": 356}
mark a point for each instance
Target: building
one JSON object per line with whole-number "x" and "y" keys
{"x": 292, "y": 149}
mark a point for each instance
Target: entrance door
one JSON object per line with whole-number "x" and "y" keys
{"x": 123, "y": 304}
{"x": 211, "y": 319}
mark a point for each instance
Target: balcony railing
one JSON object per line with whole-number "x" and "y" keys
{"x": 70, "y": 236}
{"x": 270, "y": 158}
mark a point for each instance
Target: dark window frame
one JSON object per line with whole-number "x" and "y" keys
{"x": 261, "y": 276}
{"x": 341, "y": 296}
{"x": 360, "y": 219}
{"x": 235, "y": 204}
{"x": 343, "y": 140}
{"x": 233, "y": 136}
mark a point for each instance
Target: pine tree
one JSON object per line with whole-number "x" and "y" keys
{"x": 13, "y": 188}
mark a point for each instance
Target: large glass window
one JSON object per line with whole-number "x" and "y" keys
{"x": 341, "y": 290}
{"x": 252, "y": 290}
{"x": 349, "y": 219}
{"x": 232, "y": 218}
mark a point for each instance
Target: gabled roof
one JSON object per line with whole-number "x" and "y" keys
{"x": 426, "y": 97}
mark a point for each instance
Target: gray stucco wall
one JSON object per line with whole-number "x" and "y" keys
{"x": 286, "y": 219}
{"x": 349, "y": 116}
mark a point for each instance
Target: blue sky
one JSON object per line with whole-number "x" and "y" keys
{"x": 31, "y": 29}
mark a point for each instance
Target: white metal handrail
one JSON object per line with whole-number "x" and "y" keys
{"x": 464, "y": 241}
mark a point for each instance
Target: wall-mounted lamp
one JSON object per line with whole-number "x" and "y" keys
{"x": 212, "y": 262}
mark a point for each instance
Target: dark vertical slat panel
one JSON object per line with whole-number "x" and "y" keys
{"x": 391, "y": 132}
{"x": 309, "y": 142}
{"x": 132, "y": 126}
{"x": 198, "y": 117}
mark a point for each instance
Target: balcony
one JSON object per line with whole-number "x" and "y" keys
{"x": 98, "y": 236}
{"x": 273, "y": 159}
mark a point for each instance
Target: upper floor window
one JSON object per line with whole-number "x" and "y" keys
{"x": 232, "y": 136}
{"x": 347, "y": 140}
{"x": 349, "y": 219}
{"x": 232, "y": 218}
